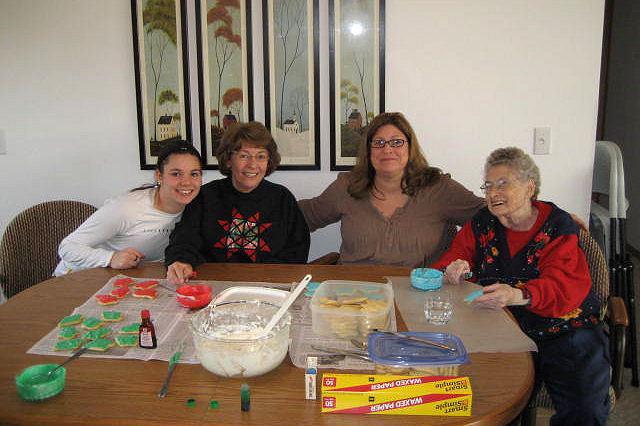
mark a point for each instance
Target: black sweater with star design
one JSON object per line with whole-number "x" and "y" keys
{"x": 224, "y": 225}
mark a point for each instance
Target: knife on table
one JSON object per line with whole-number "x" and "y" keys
{"x": 172, "y": 365}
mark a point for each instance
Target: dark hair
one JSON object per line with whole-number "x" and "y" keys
{"x": 417, "y": 172}
{"x": 253, "y": 133}
{"x": 170, "y": 148}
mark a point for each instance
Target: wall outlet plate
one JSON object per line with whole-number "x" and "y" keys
{"x": 542, "y": 140}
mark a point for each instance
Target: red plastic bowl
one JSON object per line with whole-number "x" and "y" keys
{"x": 201, "y": 292}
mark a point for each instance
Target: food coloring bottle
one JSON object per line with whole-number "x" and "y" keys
{"x": 147, "y": 333}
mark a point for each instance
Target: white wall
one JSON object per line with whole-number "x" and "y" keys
{"x": 470, "y": 74}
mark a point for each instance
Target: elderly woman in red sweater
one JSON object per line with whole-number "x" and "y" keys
{"x": 525, "y": 254}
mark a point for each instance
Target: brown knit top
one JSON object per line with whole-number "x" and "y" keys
{"x": 413, "y": 232}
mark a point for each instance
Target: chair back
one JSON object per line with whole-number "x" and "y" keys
{"x": 597, "y": 266}
{"x": 29, "y": 246}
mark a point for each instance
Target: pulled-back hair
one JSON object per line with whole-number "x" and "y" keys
{"x": 517, "y": 160}
{"x": 253, "y": 133}
{"x": 178, "y": 147}
{"x": 417, "y": 173}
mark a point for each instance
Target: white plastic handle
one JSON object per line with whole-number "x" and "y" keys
{"x": 285, "y": 306}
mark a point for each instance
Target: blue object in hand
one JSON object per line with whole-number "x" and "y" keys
{"x": 473, "y": 296}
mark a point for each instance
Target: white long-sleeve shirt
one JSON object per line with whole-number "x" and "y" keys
{"x": 129, "y": 220}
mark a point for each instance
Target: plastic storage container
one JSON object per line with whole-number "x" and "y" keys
{"x": 350, "y": 309}
{"x": 396, "y": 355}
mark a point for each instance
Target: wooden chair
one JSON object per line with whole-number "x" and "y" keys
{"x": 614, "y": 315}
{"x": 29, "y": 246}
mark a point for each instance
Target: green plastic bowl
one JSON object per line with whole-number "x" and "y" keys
{"x": 34, "y": 385}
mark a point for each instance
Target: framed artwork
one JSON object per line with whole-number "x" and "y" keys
{"x": 291, "y": 80}
{"x": 162, "y": 75}
{"x": 356, "y": 74}
{"x": 224, "y": 70}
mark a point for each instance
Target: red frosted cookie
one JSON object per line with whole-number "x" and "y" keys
{"x": 146, "y": 284}
{"x": 123, "y": 282}
{"x": 120, "y": 292}
{"x": 107, "y": 299}
{"x": 150, "y": 293}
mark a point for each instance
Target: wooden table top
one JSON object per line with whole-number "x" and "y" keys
{"x": 117, "y": 391}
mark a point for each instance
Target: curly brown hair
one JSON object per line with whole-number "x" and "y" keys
{"x": 253, "y": 133}
{"x": 417, "y": 173}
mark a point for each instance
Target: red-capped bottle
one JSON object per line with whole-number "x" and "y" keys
{"x": 147, "y": 332}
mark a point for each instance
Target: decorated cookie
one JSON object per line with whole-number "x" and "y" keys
{"x": 145, "y": 284}
{"x": 67, "y": 333}
{"x": 130, "y": 329}
{"x": 126, "y": 340}
{"x": 123, "y": 282}
{"x": 68, "y": 345}
{"x": 71, "y": 320}
{"x": 91, "y": 323}
{"x": 96, "y": 334}
{"x": 112, "y": 316}
{"x": 150, "y": 293}
{"x": 120, "y": 292}
{"x": 100, "y": 345}
{"x": 107, "y": 299}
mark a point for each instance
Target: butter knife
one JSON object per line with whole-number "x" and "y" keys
{"x": 172, "y": 365}
{"x": 418, "y": 339}
{"x": 346, "y": 352}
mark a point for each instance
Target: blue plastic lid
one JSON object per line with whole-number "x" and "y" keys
{"x": 393, "y": 350}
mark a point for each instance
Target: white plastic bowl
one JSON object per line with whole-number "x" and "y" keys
{"x": 227, "y": 343}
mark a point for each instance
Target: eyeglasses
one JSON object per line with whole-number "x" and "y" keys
{"x": 499, "y": 185}
{"x": 393, "y": 143}
{"x": 245, "y": 156}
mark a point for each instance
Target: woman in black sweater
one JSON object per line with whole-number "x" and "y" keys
{"x": 241, "y": 218}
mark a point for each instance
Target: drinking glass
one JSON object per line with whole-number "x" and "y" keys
{"x": 438, "y": 307}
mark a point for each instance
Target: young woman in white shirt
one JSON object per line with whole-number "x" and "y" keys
{"x": 136, "y": 226}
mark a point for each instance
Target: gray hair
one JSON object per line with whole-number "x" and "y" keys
{"x": 518, "y": 161}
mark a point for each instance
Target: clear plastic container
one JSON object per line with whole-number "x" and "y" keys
{"x": 396, "y": 355}
{"x": 350, "y": 309}
{"x": 229, "y": 342}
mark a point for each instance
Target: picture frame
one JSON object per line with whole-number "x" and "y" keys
{"x": 224, "y": 70}
{"x": 292, "y": 79}
{"x": 356, "y": 44}
{"x": 161, "y": 64}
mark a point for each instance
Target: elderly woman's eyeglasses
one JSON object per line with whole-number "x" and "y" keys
{"x": 261, "y": 157}
{"x": 393, "y": 143}
{"x": 499, "y": 185}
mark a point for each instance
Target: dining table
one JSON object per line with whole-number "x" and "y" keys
{"x": 107, "y": 391}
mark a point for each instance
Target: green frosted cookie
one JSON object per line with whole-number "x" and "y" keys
{"x": 131, "y": 328}
{"x": 96, "y": 334}
{"x": 100, "y": 345}
{"x": 67, "y": 333}
{"x": 112, "y": 316}
{"x": 70, "y": 320}
{"x": 91, "y": 323}
{"x": 127, "y": 340}
{"x": 68, "y": 345}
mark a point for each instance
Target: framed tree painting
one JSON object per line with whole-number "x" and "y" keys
{"x": 224, "y": 70}
{"x": 162, "y": 75}
{"x": 292, "y": 114}
{"x": 356, "y": 74}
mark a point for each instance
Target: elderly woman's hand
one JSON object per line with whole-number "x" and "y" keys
{"x": 498, "y": 296}
{"x": 456, "y": 271}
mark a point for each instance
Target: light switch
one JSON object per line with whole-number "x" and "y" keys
{"x": 542, "y": 140}
{"x": 3, "y": 143}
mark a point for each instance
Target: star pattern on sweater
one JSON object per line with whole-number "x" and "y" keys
{"x": 243, "y": 235}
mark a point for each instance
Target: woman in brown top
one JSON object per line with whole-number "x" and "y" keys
{"x": 393, "y": 207}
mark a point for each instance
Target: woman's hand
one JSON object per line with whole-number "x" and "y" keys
{"x": 498, "y": 296}
{"x": 455, "y": 271}
{"x": 178, "y": 273}
{"x": 126, "y": 258}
